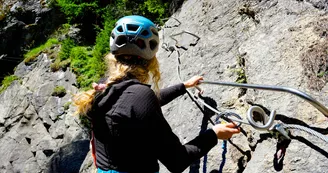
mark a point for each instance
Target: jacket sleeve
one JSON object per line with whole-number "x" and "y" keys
{"x": 170, "y": 93}
{"x": 175, "y": 156}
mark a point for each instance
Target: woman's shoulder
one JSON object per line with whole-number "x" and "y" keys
{"x": 140, "y": 88}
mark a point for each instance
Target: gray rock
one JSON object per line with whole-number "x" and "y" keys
{"x": 34, "y": 124}
{"x": 69, "y": 157}
{"x": 30, "y": 112}
{"x": 57, "y": 130}
{"x": 31, "y": 165}
{"x": 320, "y": 4}
{"x": 262, "y": 42}
{"x": 88, "y": 164}
{"x": 25, "y": 24}
{"x": 268, "y": 40}
{"x": 42, "y": 159}
{"x": 17, "y": 6}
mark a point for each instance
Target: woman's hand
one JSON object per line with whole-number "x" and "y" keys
{"x": 193, "y": 81}
{"x": 225, "y": 131}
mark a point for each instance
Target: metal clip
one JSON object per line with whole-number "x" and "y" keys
{"x": 280, "y": 131}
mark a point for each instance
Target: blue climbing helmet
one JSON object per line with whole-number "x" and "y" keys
{"x": 134, "y": 35}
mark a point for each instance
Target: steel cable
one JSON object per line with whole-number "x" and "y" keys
{"x": 196, "y": 100}
{"x": 306, "y": 129}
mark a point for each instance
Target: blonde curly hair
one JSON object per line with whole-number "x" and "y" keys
{"x": 118, "y": 71}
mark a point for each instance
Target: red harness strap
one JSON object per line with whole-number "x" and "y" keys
{"x": 93, "y": 150}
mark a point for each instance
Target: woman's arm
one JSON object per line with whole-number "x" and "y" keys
{"x": 174, "y": 155}
{"x": 172, "y": 92}
{"x": 167, "y": 146}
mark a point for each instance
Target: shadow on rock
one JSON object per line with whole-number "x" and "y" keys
{"x": 278, "y": 160}
{"x": 69, "y": 158}
{"x": 310, "y": 144}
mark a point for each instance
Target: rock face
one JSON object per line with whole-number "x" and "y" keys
{"x": 24, "y": 24}
{"x": 38, "y": 132}
{"x": 278, "y": 42}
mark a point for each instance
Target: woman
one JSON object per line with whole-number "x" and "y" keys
{"x": 130, "y": 132}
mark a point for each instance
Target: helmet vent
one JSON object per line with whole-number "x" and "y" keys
{"x": 121, "y": 40}
{"x": 113, "y": 36}
{"x": 145, "y": 33}
{"x": 120, "y": 29}
{"x": 152, "y": 44}
{"x": 140, "y": 43}
{"x": 153, "y": 30}
{"x": 132, "y": 27}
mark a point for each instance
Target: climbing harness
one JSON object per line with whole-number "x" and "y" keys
{"x": 278, "y": 130}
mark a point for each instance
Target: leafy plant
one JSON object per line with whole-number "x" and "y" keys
{"x": 6, "y": 82}
{"x": 241, "y": 75}
{"x": 62, "y": 30}
{"x": 3, "y": 10}
{"x": 87, "y": 67}
{"x": 66, "y": 48}
{"x": 85, "y": 121}
{"x": 32, "y": 54}
{"x": 75, "y": 9}
{"x": 55, "y": 66}
{"x": 88, "y": 64}
{"x": 155, "y": 8}
{"x": 64, "y": 64}
{"x": 102, "y": 41}
{"x": 2, "y": 15}
{"x": 59, "y": 91}
{"x": 66, "y": 105}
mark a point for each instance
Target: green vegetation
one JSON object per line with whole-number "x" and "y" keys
{"x": 62, "y": 30}
{"x": 3, "y": 10}
{"x": 2, "y": 15}
{"x": 241, "y": 75}
{"x": 93, "y": 15}
{"x": 32, "y": 54}
{"x": 66, "y": 48}
{"x": 322, "y": 74}
{"x": 59, "y": 91}
{"x": 66, "y": 105}
{"x": 85, "y": 122}
{"x": 88, "y": 68}
{"x": 57, "y": 65}
{"x": 95, "y": 19}
{"x": 77, "y": 9}
{"x": 240, "y": 70}
{"x": 155, "y": 7}
{"x": 86, "y": 63}
{"x": 63, "y": 59}
{"x": 6, "y": 82}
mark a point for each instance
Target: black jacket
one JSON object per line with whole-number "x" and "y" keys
{"x": 131, "y": 134}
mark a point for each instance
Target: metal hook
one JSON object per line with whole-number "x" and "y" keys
{"x": 260, "y": 111}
